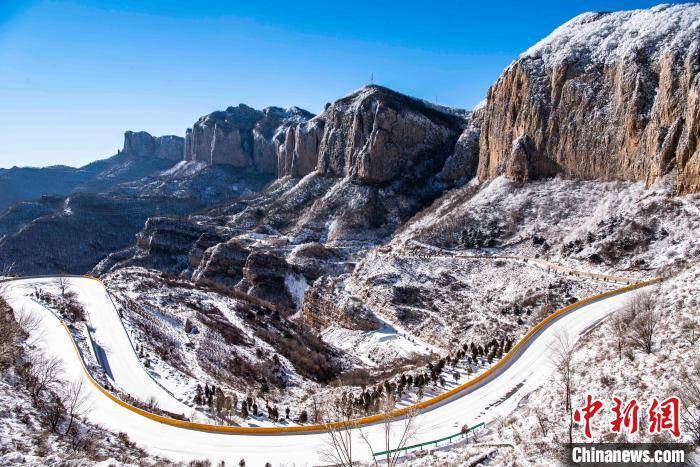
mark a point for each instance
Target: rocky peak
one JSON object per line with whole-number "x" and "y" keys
{"x": 605, "y": 96}
{"x": 241, "y": 136}
{"x": 372, "y": 135}
{"x": 142, "y": 144}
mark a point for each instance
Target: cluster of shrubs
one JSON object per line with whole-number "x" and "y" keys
{"x": 224, "y": 406}
{"x": 65, "y": 304}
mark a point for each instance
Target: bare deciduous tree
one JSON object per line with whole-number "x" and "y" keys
{"x": 397, "y": 432}
{"x": 689, "y": 391}
{"x": 620, "y": 325}
{"x": 643, "y": 329}
{"x": 53, "y": 411}
{"x": 42, "y": 373}
{"x": 316, "y": 410}
{"x": 642, "y": 302}
{"x": 27, "y": 321}
{"x": 339, "y": 425}
{"x": 562, "y": 356}
{"x": 75, "y": 401}
{"x": 542, "y": 420}
{"x": 62, "y": 283}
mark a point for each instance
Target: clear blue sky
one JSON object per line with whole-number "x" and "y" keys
{"x": 74, "y": 75}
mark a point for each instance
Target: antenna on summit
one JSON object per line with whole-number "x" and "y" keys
{"x": 371, "y": 78}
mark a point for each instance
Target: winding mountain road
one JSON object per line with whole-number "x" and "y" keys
{"x": 494, "y": 394}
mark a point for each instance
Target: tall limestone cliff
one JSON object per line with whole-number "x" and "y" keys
{"x": 142, "y": 144}
{"x": 355, "y": 172}
{"x": 297, "y": 148}
{"x": 605, "y": 96}
{"x": 241, "y": 136}
{"x": 373, "y": 136}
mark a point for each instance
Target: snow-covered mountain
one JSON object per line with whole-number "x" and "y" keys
{"x": 293, "y": 258}
{"x": 610, "y": 96}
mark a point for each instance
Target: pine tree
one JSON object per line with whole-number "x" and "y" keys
{"x": 198, "y": 395}
{"x": 286, "y": 413}
{"x": 509, "y": 345}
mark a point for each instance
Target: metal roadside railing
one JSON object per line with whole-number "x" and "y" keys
{"x": 434, "y": 442}
{"x": 372, "y": 419}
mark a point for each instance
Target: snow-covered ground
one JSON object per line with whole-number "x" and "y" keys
{"x": 607, "y": 37}
{"x": 372, "y": 347}
{"x": 484, "y": 403}
{"x": 445, "y": 301}
{"x": 605, "y": 227}
{"x": 221, "y": 348}
{"x": 601, "y": 371}
{"x": 108, "y": 333}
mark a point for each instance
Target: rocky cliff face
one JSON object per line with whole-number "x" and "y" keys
{"x": 241, "y": 136}
{"x": 297, "y": 148}
{"x": 605, "y": 96}
{"x": 377, "y": 135}
{"x": 221, "y": 261}
{"x": 380, "y": 156}
{"x": 369, "y": 162}
{"x": 373, "y": 136}
{"x": 142, "y": 144}
{"x": 326, "y": 304}
{"x": 263, "y": 277}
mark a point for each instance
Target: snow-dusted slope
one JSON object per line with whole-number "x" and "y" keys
{"x": 607, "y": 37}
{"x": 126, "y": 370}
{"x": 498, "y": 395}
{"x": 119, "y": 360}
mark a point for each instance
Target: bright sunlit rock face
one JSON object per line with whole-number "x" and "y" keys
{"x": 606, "y": 96}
